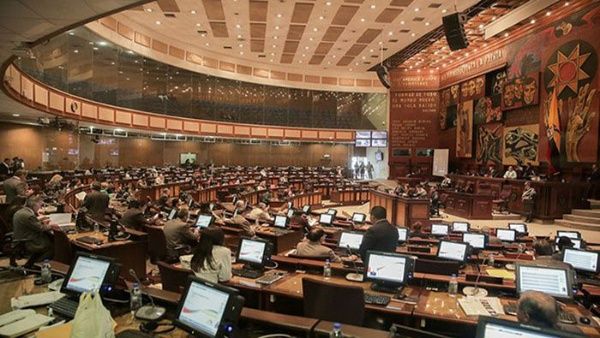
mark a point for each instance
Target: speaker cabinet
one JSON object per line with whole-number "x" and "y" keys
{"x": 384, "y": 76}
{"x": 455, "y": 31}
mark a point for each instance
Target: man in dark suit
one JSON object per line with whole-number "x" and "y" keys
{"x": 134, "y": 216}
{"x": 16, "y": 186}
{"x": 34, "y": 232}
{"x": 381, "y": 236}
{"x": 178, "y": 234}
{"x": 96, "y": 202}
{"x": 5, "y": 168}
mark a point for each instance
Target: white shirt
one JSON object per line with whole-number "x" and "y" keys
{"x": 510, "y": 174}
{"x": 220, "y": 271}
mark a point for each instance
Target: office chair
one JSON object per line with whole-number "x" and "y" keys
{"x": 157, "y": 243}
{"x": 173, "y": 278}
{"x": 501, "y": 203}
{"x": 332, "y": 302}
{"x": 63, "y": 251}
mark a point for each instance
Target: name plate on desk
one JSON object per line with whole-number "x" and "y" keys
{"x": 484, "y": 279}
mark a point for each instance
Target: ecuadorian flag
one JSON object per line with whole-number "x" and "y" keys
{"x": 553, "y": 133}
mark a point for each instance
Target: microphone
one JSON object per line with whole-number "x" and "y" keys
{"x": 146, "y": 312}
{"x": 476, "y": 291}
{"x": 354, "y": 276}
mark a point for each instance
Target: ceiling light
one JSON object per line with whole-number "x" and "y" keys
{"x": 275, "y": 37}
{"x": 413, "y": 34}
{"x": 371, "y": 50}
{"x": 238, "y": 26}
{"x": 16, "y": 115}
{"x": 444, "y": 10}
{"x": 402, "y": 22}
{"x": 481, "y": 26}
{"x": 427, "y": 23}
{"x": 76, "y": 51}
{"x": 112, "y": 63}
{"x": 328, "y": 62}
{"x": 157, "y": 22}
{"x": 241, "y": 53}
{"x": 241, "y": 45}
{"x": 303, "y": 55}
{"x": 532, "y": 21}
{"x": 362, "y": 19}
{"x": 506, "y": 34}
{"x": 315, "y": 29}
{"x": 300, "y": 61}
{"x": 271, "y": 60}
{"x": 272, "y": 53}
{"x": 548, "y": 13}
{"x": 192, "y": 12}
{"x": 274, "y": 46}
{"x": 207, "y": 44}
{"x": 310, "y": 38}
{"x": 372, "y": 6}
{"x": 71, "y": 33}
{"x": 493, "y": 18}
{"x": 417, "y": 9}
{"x": 239, "y": 36}
{"x": 276, "y": 27}
{"x": 567, "y": 3}
{"x": 306, "y": 47}
{"x": 102, "y": 43}
{"x": 390, "y": 33}
{"x": 333, "y": 56}
{"x": 279, "y": 15}
{"x": 328, "y": 3}
{"x": 321, "y": 17}
{"x": 95, "y": 48}
{"x": 350, "y": 69}
{"x": 149, "y": 10}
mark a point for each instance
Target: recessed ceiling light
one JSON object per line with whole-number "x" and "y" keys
{"x": 362, "y": 19}
{"x": 241, "y": 45}
{"x": 71, "y": 33}
{"x": 444, "y": 10}
{"x": 567, "y": 3}
{"x": 272, "y": 53}
{"x": 238, "y": 26}
{"x": 207, "y": 44}
{"x": 276, "y": 27}
{"x": 506, "y": 34}
{"x": 279, "y": 15}
{"x": 402, "y": 22}
{"x": 271, "y": 60}
{"x": 548, "y": 13}
{"x": 328, "y": 62}
{"x": 102, "y": 43}
{"x": 363, "y": 57}
{"x": 493, "y": 18}
{"x": 16, "y": 115}
{"x": 427, "y": 23}
{"x": 112, "y": 63}
{"x": 275, "y": 37}
{"x": 350, "y": 69}
{"x": 198, "y": 25}
{"x": 274, "y": 46}
{"x": 300, "y": 61}
{"x": 333, "y": 56}
{"x": 310, "y": 38}
{"x": 239, "y": 36}
{"x": 192, "y": 12}
{"x": 306, "y": 47}
{"x": 328, "y": 3}
{"x": 413, "y": 34}
{"x": 76, "y": 51}
{"x": 321, "y": 17}
{"x": 157, "y": 22}
{"x": 481, "y": 26}
{"x": 315, "y": 29}
{"x": 532, "y": 21}
{"x": 149, "y": 10}
{"x": 372, "y": 6}
{"x": 95, "y": 48}
{"x": 417, "y": 9}
{"x": 390, "y": 33}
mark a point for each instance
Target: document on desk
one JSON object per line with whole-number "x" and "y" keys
{"x": 80, "y": 195}
{"x": 485, "y": 306}
{"x": 60, "y": 218}
{"x": 502, "y": 273}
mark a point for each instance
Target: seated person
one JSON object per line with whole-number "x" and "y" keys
{"x": 134, "y": 216}
{"x": 300, "y": 219}
{"x": 446, "y": 182}
{"x": 537, "y": 309}
{"x": 420, "y": 191}
{"x": 544, "y": 255}
{"x": 563, "y": 243}
{"x": 96, "y": 202}
{"x": 178, "y": 234}
{"x": 260, "y": 213}
{"x": 510, "y": 173}
{"x": 35, "y": 233}
{"x": 311, "y": 246}
{"x": 211, "y": 260}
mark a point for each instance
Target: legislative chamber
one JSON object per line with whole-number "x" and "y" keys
{"x": 300, "y": 168}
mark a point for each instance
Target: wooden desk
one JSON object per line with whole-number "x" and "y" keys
{"x": 350, "y": 196}
{"x": 401, "y": 211}
{"x": 324, "y": 327}
{"x": 470, "y": 206}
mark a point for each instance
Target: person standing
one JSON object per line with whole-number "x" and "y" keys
{"x": 5, "y": 168}
{"x": 356, "y": 170}
{"x": 16, "y": 186}
{"x": 361, "y": 168}
{"x": 96, "y": 202}
{"x": 381, "y": 236}
{"x": 528, "y": 199}
{"x": 370, "y": 170}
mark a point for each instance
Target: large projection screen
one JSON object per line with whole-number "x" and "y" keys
{"x": 440, "y": 162}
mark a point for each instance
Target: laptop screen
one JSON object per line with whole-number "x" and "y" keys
{"x": 87, "y": 275}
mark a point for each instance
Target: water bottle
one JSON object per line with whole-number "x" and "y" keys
{"x": 453, "y": 286}
{"x": 337, "y": 331}
{"x": 327, "y": 269}
{"x": 135, "y": 301}
{"x": 46, "y": 276}
{"x": 491, "y": 260}
{"x": 96, "y": 227}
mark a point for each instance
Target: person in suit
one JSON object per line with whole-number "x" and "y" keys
{"x": 312, "y": 247}
{"x": 5, "y": 168}
{"x": 134, "y": 216}
{"x": 96, "y": 202}
{"x": 178, "y": 233}
{"x": 34, "y": 232}
{"x": 16, "y": 186}
{"x": 381, "y": 236}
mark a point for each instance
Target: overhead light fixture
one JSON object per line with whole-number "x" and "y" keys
{"x": 149, "y": 10}
{"x": 192, "y": 12}
{"x": 517, "y": 15}
{"x": 417, "y": 9}
{"x": 157, "y": 22}
{"x": 279, "y": 15}
{"x": 16, "y": 115}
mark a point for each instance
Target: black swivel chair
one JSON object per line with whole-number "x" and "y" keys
{"x": 332, "y": 302}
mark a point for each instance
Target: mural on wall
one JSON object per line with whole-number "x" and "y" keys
{"x": 568, "y": 79}
{"x": 494, "y": 83}
{"x": 489, "y": 144}
{"x": 521, "y": 91}
{"x": 450, "y": 117}
{"x": 464, "y": 129}
{"x": 472, "y": 89}
{"x": 485, "y": 112}
{"x": 520, "y": 145}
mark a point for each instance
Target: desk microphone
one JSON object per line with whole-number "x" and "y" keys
{"x": 354, "y": 276}
{"x": 147, "y": 312}
{"x": 476, "y": 291}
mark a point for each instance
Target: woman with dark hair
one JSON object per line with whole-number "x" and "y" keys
{"x": 211, "y": 260}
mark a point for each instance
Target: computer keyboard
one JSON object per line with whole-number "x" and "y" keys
{"x": 567, "y": 317}
{"x": 377, "y": 299}
{"x": 65, "y": 307}
{"x": 247, "y": 273}
{"x": 269, "y": 279}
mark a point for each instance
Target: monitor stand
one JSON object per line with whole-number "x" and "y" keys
{"x": 386, "y": 288}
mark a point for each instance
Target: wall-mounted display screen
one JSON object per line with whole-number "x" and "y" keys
{"x": 362, "y": 142}
{"x": 363, "y": 134}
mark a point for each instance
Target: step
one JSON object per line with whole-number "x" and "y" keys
{"x": 581, "y": 219}
{"x": 586, "y": 212}
{"x": 505, "y": 217}
{"x": 594, "y": 204}
{"x": 577, "y": 225}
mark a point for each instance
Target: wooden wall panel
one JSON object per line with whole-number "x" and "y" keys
{"x": 191, "y": 126}
{"x": 106, "y": 114}
{"x": 157, "y": 122}
{"x": 27, "y": 88}
{"x": 123, "y": 117}
{"x": 89, "y": 110}
{"x": 56, "y": 102}
{"x": 72, "y": 106}
{"x": 140, "y": 120}
{"x": 41, "y": 95}
{"x": 174, "y": 124}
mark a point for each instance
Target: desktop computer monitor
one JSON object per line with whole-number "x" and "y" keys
{"x": 570, "y": 234}
{"x": 252, "y": 252}
{"x": 554, "y": 281}
{"x": 506, "y": 235}
{"x": 208, "y": 310}
{"x": 518, "y": 227}
{"x": 280, "y": 221}
{"x": 402, "y": 234}
{"x": 576, "y": 243}
{"x": 586, "y": 261}
{"x": 454, "y": 251}
{"x": 172, "y": 214}
{"x": 290, "y": 213}
{"x": 306, "y": 209}
{"x": 491, "y": 327}
{"x": 350, "y": 240}
{"x": 460, "y": 227}
{"x": 358, "y": 217}
{"x": 388, "y": 269}
{"x": 326, "y": 219}
{"x": 332, "y": 212}
{"x": 476, "y": 241}
{"x": 439, "y": 229}
{"x": 204, "y": 221}
{"x": 88, "y": 273}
